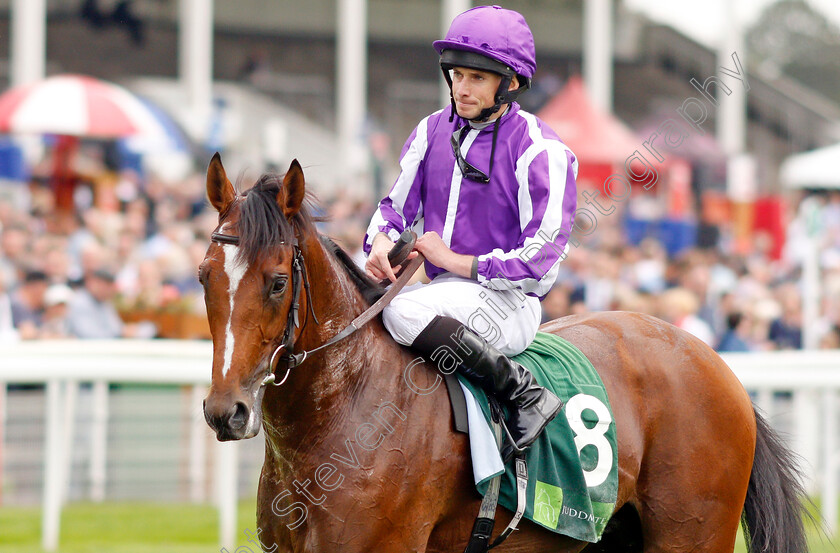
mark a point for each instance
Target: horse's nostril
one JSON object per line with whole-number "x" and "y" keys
{"x": 239, "y": 416}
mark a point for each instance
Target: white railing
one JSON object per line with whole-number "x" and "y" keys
{"x": 62, "y": 365}
{"x": 812, "y": 377}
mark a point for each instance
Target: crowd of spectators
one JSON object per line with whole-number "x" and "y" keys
{"x": 732, "y": 301}
{"x": 132, "y": 246}
{"x": 127, "y": 247}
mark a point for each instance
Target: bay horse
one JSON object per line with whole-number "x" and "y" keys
{"x": 360, "y": 454}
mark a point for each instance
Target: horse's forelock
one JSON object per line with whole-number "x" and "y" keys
{"x": 262, "y": 225}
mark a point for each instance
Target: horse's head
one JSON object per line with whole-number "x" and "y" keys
{"x": 251, "y": 276}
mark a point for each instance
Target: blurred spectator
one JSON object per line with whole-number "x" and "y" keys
{"x": 649, "y": 269}
{"x": 187, "y": 283}
{"x": 92, "y": 313}
{"x": 27, "y": 303}
{"x": 679, "y": 307}
{"x": 831, "y": 339}
{"x": 57, "y": 263}
{"x": 56, "y": 304}
{"x": 151, "y": 291}
{"x": 256, "y": 66}
{"x": 737, "y": 335}
{"x": 696, "y": 278}
{"x": 13, "y": 241}
{"x": 7, "y": 329}
{"x": 599, "y": 289}
{"x": 786, "y": 330}
{"x": 638, "y": 301}
{"x": 555, "y": 304}
{"x": 764, "y": 311}
{"x": 124, "y": 15}
{"x": 576, "y": 303}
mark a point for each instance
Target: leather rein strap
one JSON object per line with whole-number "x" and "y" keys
{"x": 296, "y": 359}
{"x": 300, "y": 278}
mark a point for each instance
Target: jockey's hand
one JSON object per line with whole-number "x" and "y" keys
{"x": 432, "y": 246}
{"x": 377, "y": 265}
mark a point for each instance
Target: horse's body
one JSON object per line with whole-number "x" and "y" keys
{"x": 360, "y": 452}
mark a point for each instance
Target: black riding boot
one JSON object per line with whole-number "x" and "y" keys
{"x": 531, "y": 406}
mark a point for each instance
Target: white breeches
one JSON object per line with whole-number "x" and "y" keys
{"x": 507, "y": 319}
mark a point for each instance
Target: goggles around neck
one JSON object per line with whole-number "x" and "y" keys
{"x": 468, "y": 170}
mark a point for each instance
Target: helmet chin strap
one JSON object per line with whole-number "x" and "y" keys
{"x": 502, "y": 96}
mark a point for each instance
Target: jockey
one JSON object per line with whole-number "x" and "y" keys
{"x": 491, "y": 192}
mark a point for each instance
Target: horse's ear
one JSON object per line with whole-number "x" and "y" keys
{"x": 220, "y": 191}
{"x": 294, "y": 190}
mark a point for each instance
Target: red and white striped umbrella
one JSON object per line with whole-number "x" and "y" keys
{"x": 76, "y": 105}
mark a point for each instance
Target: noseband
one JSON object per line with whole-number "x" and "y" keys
{"x": 300, "y": 278}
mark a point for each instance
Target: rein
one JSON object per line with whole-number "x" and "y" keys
{"x": 300, "y": 278}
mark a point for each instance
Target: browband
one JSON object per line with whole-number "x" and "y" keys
{"x": 224, "y": 238}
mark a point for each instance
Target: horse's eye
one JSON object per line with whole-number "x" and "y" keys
{"x": 278, "y": 286}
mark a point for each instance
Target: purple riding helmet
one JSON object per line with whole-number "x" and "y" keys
{"x": 490, "y": 38}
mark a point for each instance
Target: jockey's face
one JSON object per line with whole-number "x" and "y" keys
{"x": 475, "y": 90}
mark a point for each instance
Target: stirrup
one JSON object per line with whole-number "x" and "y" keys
{"x": 509, "y": 449}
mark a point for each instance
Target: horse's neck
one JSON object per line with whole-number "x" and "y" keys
{"x": 341, "y": 384}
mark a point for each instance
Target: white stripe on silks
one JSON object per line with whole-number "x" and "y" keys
{"x": 46, "y": 107}
{"x": 376, "y": 222}
{"x": 552, "y": 217}
{"x": 557, "y": 169}
{"x": 234, "y": 270}
{"x": 523, "y": 166}
{"x": 538, "y": 145}
{"x": 455, "y": 189}
{"x": 556, "y": 172}
{"x": 409, "y": 165}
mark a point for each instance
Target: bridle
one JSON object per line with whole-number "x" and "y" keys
{"x": 301, "y": 279}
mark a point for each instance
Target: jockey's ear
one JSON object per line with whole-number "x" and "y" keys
{"x": 291, "y": 195}
{"x": 220, "y": 191}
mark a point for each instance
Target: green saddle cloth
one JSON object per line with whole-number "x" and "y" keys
{"x": 573, "y": 465}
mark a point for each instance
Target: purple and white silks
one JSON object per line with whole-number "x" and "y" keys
{"x": 517, "y": 225}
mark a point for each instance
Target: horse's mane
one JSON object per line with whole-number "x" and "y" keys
{"x": 263, "y": 228}
{"x": 370, "y": 289}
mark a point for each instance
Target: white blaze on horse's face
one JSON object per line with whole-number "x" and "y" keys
{"x": 235, "y": 269}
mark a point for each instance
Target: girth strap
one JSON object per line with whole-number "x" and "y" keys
{"x": 521, "y": 498}
{"x": 483, "y": 526}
